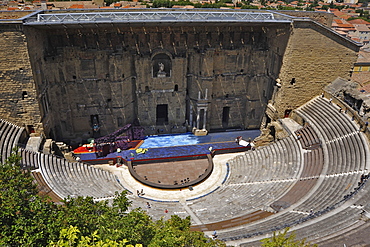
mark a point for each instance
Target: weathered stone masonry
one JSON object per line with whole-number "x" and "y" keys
{"x": 18, "y": 97}
{"x": 112, "y": 73}
{"x": 168, "y": 76}
{"x": 315, "y": 56}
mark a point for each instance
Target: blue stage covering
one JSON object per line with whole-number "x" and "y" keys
{"x": 226, "y": 142}
{"x": 165, "y": 152}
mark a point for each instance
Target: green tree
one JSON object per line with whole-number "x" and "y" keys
{"x": 72, "y": 237}
{"x": 107, "y": 2}
{"x": 112, "y": 222}
{"x": 249, "y": 7}
{"x": 175, "y": 232}
{"x": 282, "y": 239}
{"x": 162, "y": 4}
{"x": 26, "y": 219}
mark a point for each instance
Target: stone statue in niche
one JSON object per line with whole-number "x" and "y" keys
{"x": 161, "y": 72}
{"x": 161, "y": 67}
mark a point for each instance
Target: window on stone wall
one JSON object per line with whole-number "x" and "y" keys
{"x": 176, "y": 88}
{"x": 161, "y": 65}
{"x": 30, "y": 129}
{"x": 24, "y": 94}
{"x": 292, "y": 82}
{"x": 287, "y": 113}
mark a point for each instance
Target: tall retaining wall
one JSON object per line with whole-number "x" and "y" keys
{"x": 315, "y": 56}
{"x": 18, "y": 99}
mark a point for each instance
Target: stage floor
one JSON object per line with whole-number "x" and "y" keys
{"x": 223, "y": 141}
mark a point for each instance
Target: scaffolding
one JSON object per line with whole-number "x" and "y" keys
{"x": 153, "y": 16}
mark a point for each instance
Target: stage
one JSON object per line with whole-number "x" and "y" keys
{"x": 217, "y": 143}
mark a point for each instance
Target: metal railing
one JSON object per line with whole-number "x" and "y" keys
{"x": 153, "y": 16}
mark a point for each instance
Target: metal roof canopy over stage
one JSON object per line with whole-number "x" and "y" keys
{"x": 156, "y": 16}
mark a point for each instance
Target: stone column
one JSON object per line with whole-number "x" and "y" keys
{"x": 191, "y": 115}
{"x": 205, "y": 118}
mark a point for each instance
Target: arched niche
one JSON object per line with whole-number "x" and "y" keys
{"x": 161, "y": 65}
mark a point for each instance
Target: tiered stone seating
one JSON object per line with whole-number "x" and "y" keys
{"x": 9, "y": 138}
{"x": 283, "y": 157}
{"x": 71, "y": 179}
{"x": 312, "y": 168}
{"x": 257, "y": 228}
{"x": 335, "y": 223}
{"x": 308, "y": 137}
{"x": 335, "y": 155}
{"x": 347, "y": 151}
{"x": 312, "y": 172}
{"x": 157, "y": 208}
{"x": 30, "y": 159}
{"x": 257, "y": 179}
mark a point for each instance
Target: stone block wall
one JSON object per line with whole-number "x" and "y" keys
{"x": 18, "y": 100}
{"x": 324, "y": 18}
{"x": 114, "y": 74}
{"x": 315, "y": 56}
{"x": 167, "y": 77}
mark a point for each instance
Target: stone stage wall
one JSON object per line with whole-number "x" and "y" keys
{"x": 168, "y": 76}
{"x": 114, "y": 74}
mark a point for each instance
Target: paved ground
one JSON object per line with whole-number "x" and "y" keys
{"x": 170, "y": 173}
{"x": 213, "y": 181}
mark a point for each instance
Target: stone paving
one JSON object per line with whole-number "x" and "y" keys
{"x": 213, "y": 181}
{"x": 170, "y": 173}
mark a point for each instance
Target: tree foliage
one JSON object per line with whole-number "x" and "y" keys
{"x": 26, "y": 219}
{"x": 175, "y": 232}
{"x": 282, "y": 239}
{"x": 30, "y": 220}
{"x": 71, "y": 237}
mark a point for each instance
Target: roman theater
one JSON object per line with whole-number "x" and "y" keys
{"x": 84, "y": 91}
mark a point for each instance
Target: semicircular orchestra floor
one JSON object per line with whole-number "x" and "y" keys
{"x": 173, "y": 172}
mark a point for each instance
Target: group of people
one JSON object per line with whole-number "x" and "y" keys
{"x": 140, "y": 193}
